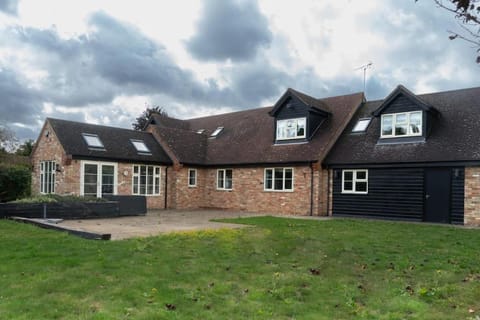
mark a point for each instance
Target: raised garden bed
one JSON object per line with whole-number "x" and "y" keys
{"x": 75, "y": 209}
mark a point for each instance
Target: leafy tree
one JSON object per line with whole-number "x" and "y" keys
{"x": 142, "y": 121}
{"x": 468, "y": 13}
{"x": 25, "y": 149}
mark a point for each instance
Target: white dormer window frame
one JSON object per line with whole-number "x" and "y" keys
{"x": 290, "y": 129}
{"x": 140, "y": 146}
{"x": 93, "y": 140}
{"x": 402, "y": 124}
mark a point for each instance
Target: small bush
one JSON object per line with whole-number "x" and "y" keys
{"x": 49, "y": 198}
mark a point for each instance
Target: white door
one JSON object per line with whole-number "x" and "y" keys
{"x": 98, "y": 179}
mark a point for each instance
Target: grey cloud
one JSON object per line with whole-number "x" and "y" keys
{"x": 256, "y": 82}
{"x": 9, "y": 7}
{"x": 19, "y": 103}
{"x": 233, "y": 30}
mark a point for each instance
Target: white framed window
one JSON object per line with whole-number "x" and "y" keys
{"x": 362, "y": 125}
{"x": 192, "y": 177}
{"x": 47, "y": 176}
{"x": 291, "y": 128}
{"x": 355, "y": 181}
{"x": 146, "y": 180}
{"x": 278, "y": 179}
{"x": 98, "y": 178}
{"x": 140, "y": 146}
{"x": 92, "y": 140}
{"x": 405, "y": 124}
{"x": 224, "y": 179}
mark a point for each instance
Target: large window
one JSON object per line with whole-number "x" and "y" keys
{"x": 355, "y": 181}
{"x": 192, "y": 177}
{"x": 401, "y": 124}
{"x": 291, "y": 129}
{"x": 224, "y": 179}
{"x": 146, "y": 180}
{"x": 278, "y": 179}
{"x": 47, "y": 176}
{"x": 98, "y": 179}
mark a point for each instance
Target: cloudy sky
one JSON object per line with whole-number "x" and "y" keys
{"x": 105, "y": 61}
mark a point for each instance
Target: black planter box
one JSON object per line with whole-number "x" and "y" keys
{"x": 61, "y": 210}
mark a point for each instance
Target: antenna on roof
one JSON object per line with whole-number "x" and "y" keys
{"x": 365, "y": 67}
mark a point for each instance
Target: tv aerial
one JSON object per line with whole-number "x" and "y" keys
{"x": 364, "y": 68}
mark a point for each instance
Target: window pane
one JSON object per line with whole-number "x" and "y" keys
{"x": 400, "y": 129}
{"x": 135, "y": 185}
{"x": 157, "y": 170}
{"x": 387, "y": 125}
{"x": 348, "y": 175}
{"x": 220, "y": 174}
{"x": 361, "y": 186}
{"x": 135, "y": 169}
{"x": 228, "y": 179}
{"x": 268, "y": 179}
{"x": 278, "y": 179}
{"x": 301, "y": 127}
{"x": 401, "y": 118}
{"x": 361, "y": 175}
{"x": 90, "y": 168}
{"x": 288, "y": 184}
{"x": 347, "y": 186}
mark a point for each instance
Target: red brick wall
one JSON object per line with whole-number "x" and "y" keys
{"x": 472, "y": 196}
{"x": 248, "y": 192}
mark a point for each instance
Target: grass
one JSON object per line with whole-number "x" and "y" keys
{"x": 281, "y": 269}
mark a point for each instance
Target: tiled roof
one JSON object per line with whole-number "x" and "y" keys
{"x": 454, "y": 135}
{"x": 116, "y": 141}
{"x": 248, "y": 136}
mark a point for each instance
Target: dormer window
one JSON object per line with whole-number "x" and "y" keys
{"x": 140, "y": 146}
{"x": 405, "y": 124}
{"x": 291, "y": 129}
{"x": 93, "y": 141}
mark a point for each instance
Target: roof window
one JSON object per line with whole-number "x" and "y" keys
{"x": 362, "y": 125}
{"x": 93, "y": 141}
{"x": 216, "y": 132}
{"x": 140, "y": 146}
{"x": 200, "y": 131}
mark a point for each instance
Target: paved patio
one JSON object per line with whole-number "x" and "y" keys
{"x": 156, "y": 222}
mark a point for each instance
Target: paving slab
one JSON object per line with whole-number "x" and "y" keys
{"x": 156, "y": 222}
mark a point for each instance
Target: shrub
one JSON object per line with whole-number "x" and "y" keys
{"x": 49, "y": 198}
{"x": 14, "y": 182}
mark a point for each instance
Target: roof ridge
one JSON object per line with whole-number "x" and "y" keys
{"x": 96, "y": 125}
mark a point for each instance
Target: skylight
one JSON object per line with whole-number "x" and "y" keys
{"x": 200, "y": 131}
{"x": 140, "y": 146}
{"x": 361, "y": 125}
{"x": 216, "y": 132}
{"x": 92, "y": 140}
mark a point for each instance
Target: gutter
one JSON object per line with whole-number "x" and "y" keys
{"x": 166, "y": 187}
{"x": 311, "y": 189}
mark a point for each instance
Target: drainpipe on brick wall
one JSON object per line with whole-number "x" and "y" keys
{"x": 311, "y": 189}
{"x": 328, "y": 192}
{"x": 166, "y": 187}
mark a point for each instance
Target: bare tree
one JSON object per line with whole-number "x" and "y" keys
{"x": 467, "y": 12}
{"x": 8, "y": 140}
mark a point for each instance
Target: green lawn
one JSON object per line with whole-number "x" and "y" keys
{"x": 280, "y": 269}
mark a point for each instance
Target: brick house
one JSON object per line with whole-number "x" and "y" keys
{"x": 264, "y": 160}
{"x": 333, "y": 156}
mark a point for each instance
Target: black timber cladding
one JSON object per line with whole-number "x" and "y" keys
{"x": 395, "y": 193}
